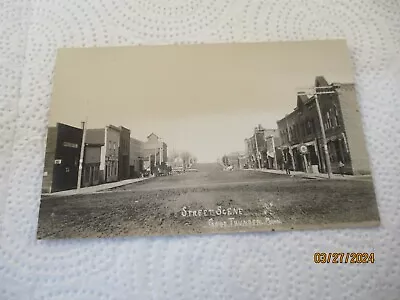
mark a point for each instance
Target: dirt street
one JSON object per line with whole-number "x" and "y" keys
{"x": 210, "y": 200}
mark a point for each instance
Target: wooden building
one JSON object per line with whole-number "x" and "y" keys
{"x": 61, "y": 165}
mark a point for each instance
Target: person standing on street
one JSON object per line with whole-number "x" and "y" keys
{"x": 287, "y": 167}
{"x": 341, "y": 168}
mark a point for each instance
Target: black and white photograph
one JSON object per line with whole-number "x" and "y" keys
{"x": 204, "y": 139}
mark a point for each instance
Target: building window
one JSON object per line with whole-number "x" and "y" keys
{"x": 326, "y": 120}
{"x": 314, "y": 129}
{"x": 96, "y": 173}
{"x": 330, "y": 121}
{"x": 336, "y": 116}
{"x": 308, "y": 127}
{"x": 87, "y": 173}
{"x": 301, "y": 129}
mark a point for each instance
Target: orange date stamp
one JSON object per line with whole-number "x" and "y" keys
{"x": 344, "y": 258}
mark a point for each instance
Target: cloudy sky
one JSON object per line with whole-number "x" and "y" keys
{"x": 204, "y": 98}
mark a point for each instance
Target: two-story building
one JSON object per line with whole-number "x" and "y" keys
{"x": 342, "y": 125}
{"x": 109, "y": 137}
{"x": 259, "y": 153}
{"x": 63, "y": 147}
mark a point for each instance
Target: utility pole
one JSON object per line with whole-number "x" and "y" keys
{"x": 161, "y": 151}
{"x": 289, "y": 139}
{"x": 258, "y": 158}
{"x": 150, "y": 164}
{"x": 82, "y": 154}
{"x": 321, "y": 123}
{"x": 273, "y": 147}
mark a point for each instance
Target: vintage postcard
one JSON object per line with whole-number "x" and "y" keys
{"x": 193, "y": 139}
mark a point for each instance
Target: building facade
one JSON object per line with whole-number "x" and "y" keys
{"x": 136, "y": 158}
{"x": 109, "y": 137}
{"x": 61, "y": 165}
{"x": 154, "y": 151}
{"x": 259, "y": 148}
{"x": 342, "y": 125}
{"x": 236, "y": 160}
{"x": 124, "y": 153}
{"x": 111, "y": 153}
{"x": 272, "y": 155}
{"x": 91, "y": 164}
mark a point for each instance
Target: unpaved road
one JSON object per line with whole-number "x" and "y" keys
{"x": 248, "y": 201}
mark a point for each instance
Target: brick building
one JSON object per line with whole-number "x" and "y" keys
{"x": 249, "y": 152}
{"x": 343, "y": 128}
{"x": 259, "y": 148}
{"x": 61, "y": 164}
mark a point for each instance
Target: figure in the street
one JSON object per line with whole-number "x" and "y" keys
{"x": 287, "y": 167}
{"x": 341, "y": 168}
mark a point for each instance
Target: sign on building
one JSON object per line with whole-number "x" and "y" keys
{"x": 303, "y": 149}
{"x": 70, "y": 145}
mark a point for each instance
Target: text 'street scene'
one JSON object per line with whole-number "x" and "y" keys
{"x": 192, "y": 139}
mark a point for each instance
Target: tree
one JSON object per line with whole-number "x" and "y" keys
{"x": 225, "y": 160}
{"x": 174, "y": 155}
{"x": 185, "y": 156}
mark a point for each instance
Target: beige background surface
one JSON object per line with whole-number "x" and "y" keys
{"x": 201, "y": 98}
{"x": 237, "y": 266}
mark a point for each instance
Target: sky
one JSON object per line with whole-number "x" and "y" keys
{"x": 205, "y": 99}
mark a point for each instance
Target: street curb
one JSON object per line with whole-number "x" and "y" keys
{"x": 122, "y": 184}
{"x": 307, "y": 176}
{"x": 95, "y": 189}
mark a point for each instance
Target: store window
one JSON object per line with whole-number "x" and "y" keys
{"x": 96, "y": 173}
{"x": 87, "y": 172}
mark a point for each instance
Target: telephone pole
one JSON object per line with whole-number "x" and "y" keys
{"x": 325, "y": 143}
{"x": 289, "y": 139}
{"x": 273, "y": 147}
{"x": 258, "y": 158}
{"x": 82, "y": 154}
{"x": 321, "y": 123}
